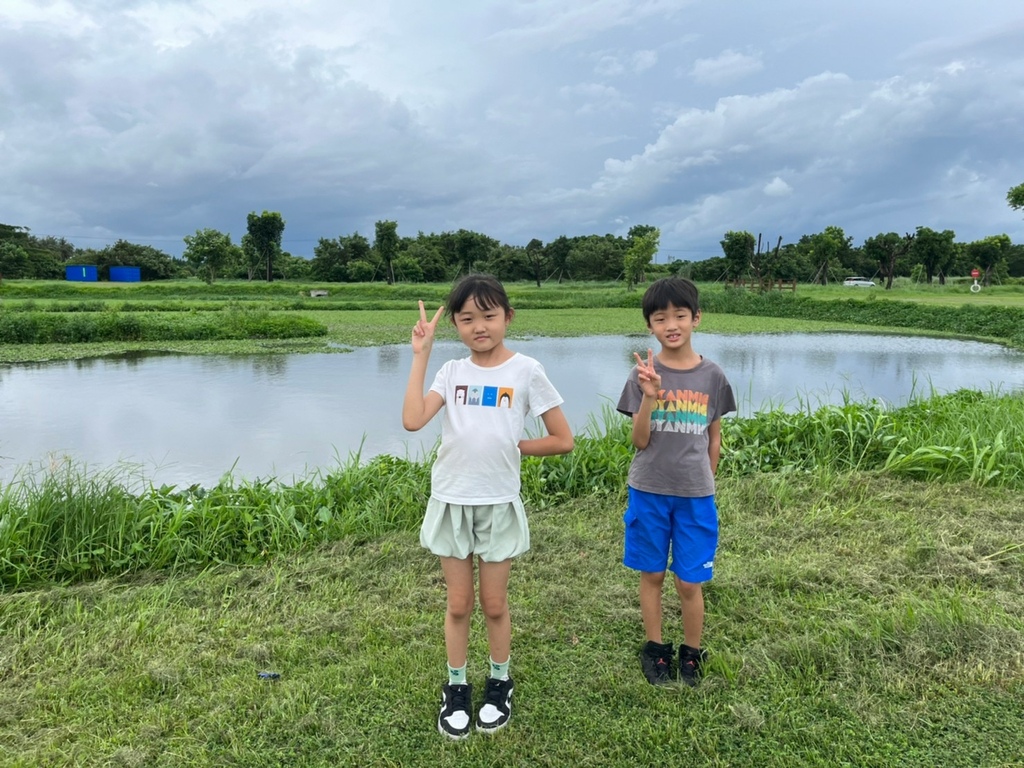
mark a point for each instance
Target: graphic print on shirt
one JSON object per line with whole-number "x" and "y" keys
{"x": 680, "y": 410}
{"x": 490, "y": 397}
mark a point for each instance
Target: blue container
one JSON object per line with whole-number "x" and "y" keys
{"x": 125, "y": 274}
{"x": 81, "y": 274}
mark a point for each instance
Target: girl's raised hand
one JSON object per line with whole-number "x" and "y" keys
{"x": 650, "y": 381}
{"x": 423, "y": 331}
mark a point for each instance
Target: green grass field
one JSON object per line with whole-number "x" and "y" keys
{"x": 858, "y": 620}
{"x": 184, "y": 317}
{"x": 867, "y": 607}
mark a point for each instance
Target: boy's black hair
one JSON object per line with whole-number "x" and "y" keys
{"x": 677, "y": 291}
{"x": 484, "y": 289}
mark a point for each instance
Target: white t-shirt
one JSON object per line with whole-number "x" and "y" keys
{"x": 484, "y": 419}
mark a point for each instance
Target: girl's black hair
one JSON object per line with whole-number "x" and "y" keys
{"x": 485, "y": 290}
{"x": 677, "y": 291}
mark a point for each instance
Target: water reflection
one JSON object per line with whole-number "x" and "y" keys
{"x": 190, "y": 419}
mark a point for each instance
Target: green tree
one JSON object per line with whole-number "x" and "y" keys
{"x": 537, "y": 259}
{"x": 250, "y": 256}
{"x": 264, "y": 233}
{"x": 557, "y": 253}
{"x": 764, "y": 263}
{"x": 290, "y": 267}
{"x": 934, "y": 251}
{"x": 58, "y": 247}
{"x": 14, "y": 263}
{"x": 643, "y": 245}
{"x": 332, "y": 257}
{"x": 360, "y": 271}
{"x": 709, "y": 270}
{"x": 1015, "y": 261}
{"x": 989, "y": 254}
{"x": 209, "y": 252}
{"x": 467, "y": 250}
{"x": 507, "y": 262}
{"x": 884, "y": 250}
{"x": 408, "y": 268}
{"x": 14, "y": 232}
{"x": 738, "y": 248}
{"x": 1015, "y": 197}
{"x": 329, "y": 261}
{"x": 597, "y": 257}
{"x": 826, "y": 250}
{"x": 427, "y": 254}
{"x": 25, "y": 256}
{"x": 386, "y": 246}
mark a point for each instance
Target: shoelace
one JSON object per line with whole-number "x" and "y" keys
{"x": 460, "y": 698}
{"x": 495, "y": 693}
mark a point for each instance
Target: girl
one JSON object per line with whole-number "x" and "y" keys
{"x": 474, "y": 506}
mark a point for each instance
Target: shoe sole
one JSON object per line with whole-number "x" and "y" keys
{"x": 453, "y": 736}
{"x": 492, "y": 728}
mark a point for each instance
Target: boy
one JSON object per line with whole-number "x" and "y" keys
{"x": 676, "y": 400}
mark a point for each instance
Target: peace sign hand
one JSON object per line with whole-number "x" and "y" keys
{"x": 423, "y": 331}
{"x": 650, "y": 381}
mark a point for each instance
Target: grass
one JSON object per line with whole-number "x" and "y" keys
{"x": 64, "y": 524}
{"x": 866, "y": 608}
{"x": 38, "y": 328}
{"x": 374, "y": 314}
{"x": 854, "y": 620}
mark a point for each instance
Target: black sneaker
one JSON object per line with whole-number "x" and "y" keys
{"x": 690, "y": 662}
{"x": 454, "y": 719}
{"x": 656, "y": 660}
{"x": 497, "y": 707}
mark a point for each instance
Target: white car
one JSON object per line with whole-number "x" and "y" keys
{"x": 859, "y": 282}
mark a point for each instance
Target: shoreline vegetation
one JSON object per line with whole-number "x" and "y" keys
{"x": 866, "y": 609}
{"x": 42, "y": 321}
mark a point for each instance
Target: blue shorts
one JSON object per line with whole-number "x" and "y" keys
{"x": 654, "y": 521}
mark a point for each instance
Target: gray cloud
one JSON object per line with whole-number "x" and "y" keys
{"x": 150, "y": 120}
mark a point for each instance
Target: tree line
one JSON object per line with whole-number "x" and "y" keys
{"x": 823, "y": 257}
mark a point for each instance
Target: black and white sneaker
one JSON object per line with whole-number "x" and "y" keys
{"x": 656, "y": 661}
{"x": 497, "y": 707}
{"x": 455, "y": 718}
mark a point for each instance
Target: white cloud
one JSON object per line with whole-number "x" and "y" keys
{"x": 727, "y": 67}
{"x": 595, "y": 97}
{"x": 562, "y": 22}
{"x": 777, "y": 188}
{"x": 644, "y": 60}
{"x": 616, "y": 65}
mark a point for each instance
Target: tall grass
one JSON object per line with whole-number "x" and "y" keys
{"x": 91, "y": 327}
{"x": 63, "y": 523}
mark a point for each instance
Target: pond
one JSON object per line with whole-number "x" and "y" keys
{"x": 190, "y": 419}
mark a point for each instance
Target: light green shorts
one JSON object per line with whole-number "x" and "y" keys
{"x": 492, "y": 532}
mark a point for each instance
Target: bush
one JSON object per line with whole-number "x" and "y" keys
{"x": 75, "y": 328}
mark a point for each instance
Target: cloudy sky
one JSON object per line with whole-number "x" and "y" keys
{"x": 517, "y": 118}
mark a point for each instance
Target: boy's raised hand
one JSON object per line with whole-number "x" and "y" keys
{"x": 650, "y": 381}
{"x": 423, "y": 331}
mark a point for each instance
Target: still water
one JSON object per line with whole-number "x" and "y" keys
{"x": 190, "y": 419}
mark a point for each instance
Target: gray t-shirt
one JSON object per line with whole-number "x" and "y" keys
{"x": 675, "y": 461}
